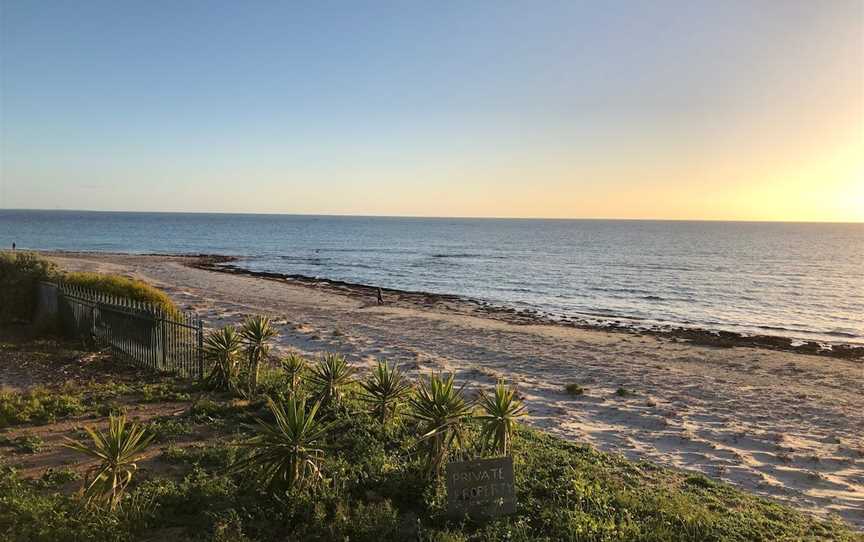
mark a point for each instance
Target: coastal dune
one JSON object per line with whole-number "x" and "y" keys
{"x": 785, "y": 425}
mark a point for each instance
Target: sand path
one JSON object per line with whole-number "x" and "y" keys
{"x": 784, "y": 425}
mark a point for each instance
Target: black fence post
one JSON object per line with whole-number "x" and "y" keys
{"x": 163, "y": 343}
{"x": 200, "y": 350}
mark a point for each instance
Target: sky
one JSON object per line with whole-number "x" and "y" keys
{"x": 734, "y": 110}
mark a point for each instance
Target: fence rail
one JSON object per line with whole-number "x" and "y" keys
{"x": 143, "y": 333}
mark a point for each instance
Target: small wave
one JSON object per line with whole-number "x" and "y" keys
{"x": 456, "y": 255}
{"x": 300, "y": 259}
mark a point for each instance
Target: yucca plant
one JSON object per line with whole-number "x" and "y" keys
{"x": 441, "y": 409}
{"x": 287, "y": 452}
{"x": 222, "y": 347}
{"x": 256, "y": 332}
{"x": 498, "y": 414}
{"x": 384, "y": 389}
{"x": 294, "y": 366}
{"x": 330, "y": 376}
{"x": 117, "y": 450}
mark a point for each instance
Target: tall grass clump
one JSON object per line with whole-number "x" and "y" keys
{"x": 499, "y": 413}
{"x": 117, "y": 450}
{"x": 223, "y": 347}
{"x": 119, "y": 286}
{"x": 442, "y": 411}
{"x": 257, "y": 333}
{"x": 287, "y": 453}
{"x": 20, "y": 272}
{"x": 384, "y": 389}
{"x": 330, "y": 376}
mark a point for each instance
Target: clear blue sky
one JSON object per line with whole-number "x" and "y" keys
{"x": 634, "y": 109}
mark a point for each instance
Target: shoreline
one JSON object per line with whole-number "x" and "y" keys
{"x": 780, "y": 424}
{"x": 676, "y": 332}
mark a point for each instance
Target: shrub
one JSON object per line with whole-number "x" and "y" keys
{"x": 498, "y": 416}
{"x": 624, "y": 392}
{"x": 20, "y": 272}
{"x": 119, "y": 286}
{"x": 384, "y": 389}
{"x": 256, "y": 332}
{"x": 442, "y": 411}
{"x": 330, "y": 376}
{"x": 287, "y": 452}
{"x": 222, "y": 348}
{"x": 117, "y": 450}
{"x": 294, "y": 366}
{"x": 574, "y": 389}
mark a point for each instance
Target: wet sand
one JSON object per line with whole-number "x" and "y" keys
{"x": 778, "y": 422}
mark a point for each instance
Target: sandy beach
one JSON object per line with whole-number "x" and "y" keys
{"x": 782, "y": 424}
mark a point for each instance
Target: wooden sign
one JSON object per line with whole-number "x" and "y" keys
{"x": 481, "y": 488}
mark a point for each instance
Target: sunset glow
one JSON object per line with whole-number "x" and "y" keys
{"x": 739, "y": 111}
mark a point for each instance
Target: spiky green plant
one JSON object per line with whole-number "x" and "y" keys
{"x": 287, "y": 452}
{"x": 257, "y": 332}
{"x": 442, "y": 411}
{"x": 499, "y": 413}
{"x": 117, "y": 450}
{"x": 384, "y": 389}
{"x": 294, "y": 366}
{"x": 330, "y": 376}
{"x": 222, "y": 347}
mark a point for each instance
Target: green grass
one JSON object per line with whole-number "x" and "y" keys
{"x": 39, "y": 405}
{"x": 375, "y": 485}
{"x": 375, "y": 489}
{"x": 27, "y": 444}
{"x": 120, "y": 286}
{"x": 168, "y": 428}
{"x": 53, "y": 478}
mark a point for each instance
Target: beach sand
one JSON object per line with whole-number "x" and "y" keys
{"x": 785, "y": 425}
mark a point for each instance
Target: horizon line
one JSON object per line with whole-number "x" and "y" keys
{"x": 437, "y": 217}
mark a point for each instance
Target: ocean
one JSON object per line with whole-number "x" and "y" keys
{"x": 803, "y": 281}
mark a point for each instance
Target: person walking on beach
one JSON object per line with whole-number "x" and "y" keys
{"x": 380, "y": 297}
{"x": 13, "y": 246}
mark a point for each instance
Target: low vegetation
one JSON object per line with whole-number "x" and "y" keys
{"x": 20, "y": 272}
{"x": 442, "y": 412}
{"x": 39, "y": 405}
{"x": 256, "y": 334}
{"x": 222, "y": 348}
{"x": 282, "y": 465}
{"x": 124, "y": 287}
{"x": 385, "y": 389}
{"x": 329, "y": 378}
{"x": 286, "y": 454}
{"x": 295, "y": 367}
{"x": 499, "y": 414}
{"x": 116, "y": 451}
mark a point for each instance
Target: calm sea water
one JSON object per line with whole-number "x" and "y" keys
{"x": 797, "y": 280}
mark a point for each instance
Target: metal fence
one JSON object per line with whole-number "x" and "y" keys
{"x": 142, "y": 333}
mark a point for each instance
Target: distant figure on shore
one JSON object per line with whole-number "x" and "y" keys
{"x": 380, "y": 297}
{"x": 13, "y": 246}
